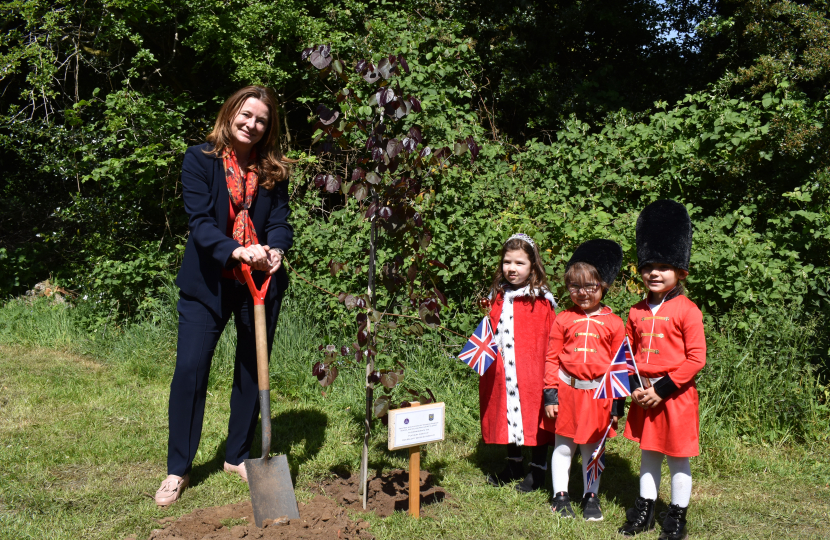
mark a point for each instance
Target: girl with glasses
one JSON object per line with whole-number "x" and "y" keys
{"x": 583, "y": 340}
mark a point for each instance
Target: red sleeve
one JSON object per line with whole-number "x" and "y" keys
{"x": 556, "y": 342}
{"x": 694, "y": 342}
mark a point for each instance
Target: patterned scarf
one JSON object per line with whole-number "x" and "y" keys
{"x": 242, "y": 189}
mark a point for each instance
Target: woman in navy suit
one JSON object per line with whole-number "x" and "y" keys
{"x": 235, "y": 191}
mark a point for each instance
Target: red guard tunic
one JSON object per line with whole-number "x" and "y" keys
{"x": 669, "y": 344}
{"x": 528, "y": 337}
{"x": 582, "y": 347}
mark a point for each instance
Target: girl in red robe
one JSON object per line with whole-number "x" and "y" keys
{"x": 666, "y": 334}
{"x": 510, "y": 391}
{"x": 583, "y": 341}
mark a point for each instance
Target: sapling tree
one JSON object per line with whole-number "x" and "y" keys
{"x": 377, "y": 154}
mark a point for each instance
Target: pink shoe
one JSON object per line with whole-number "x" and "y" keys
{"x": 171, "y": 489}
{"x": 237, "y": 469}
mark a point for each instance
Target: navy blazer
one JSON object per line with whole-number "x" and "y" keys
{"x": 209, "y": 248}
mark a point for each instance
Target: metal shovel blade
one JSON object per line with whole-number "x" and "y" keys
{"x": 272, "y": 492}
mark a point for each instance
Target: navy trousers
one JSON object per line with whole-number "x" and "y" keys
{"x": 199, "y": 331}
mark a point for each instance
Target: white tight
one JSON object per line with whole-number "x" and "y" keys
{"x": 681, "y": 477}
{"x": 560, "y": 464}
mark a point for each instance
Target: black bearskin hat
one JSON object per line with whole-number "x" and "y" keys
{"x": 604, "y": 255}
{"x": 664, "y": 235}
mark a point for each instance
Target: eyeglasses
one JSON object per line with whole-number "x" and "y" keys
{"x": 589, "y": 288}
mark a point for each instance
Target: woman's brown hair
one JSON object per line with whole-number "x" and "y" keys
{"x": 271, "y": 165}
{"x": 537, "y": 279}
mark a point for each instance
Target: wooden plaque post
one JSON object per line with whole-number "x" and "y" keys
{"x": 415, "y": 481}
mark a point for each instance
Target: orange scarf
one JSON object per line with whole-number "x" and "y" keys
{"x": 242, "y": 188}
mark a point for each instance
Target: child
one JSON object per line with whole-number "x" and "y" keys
{"x": 583, "y": 341}
{"x": 666, "y": 333}
{"x": 510, "y": 391}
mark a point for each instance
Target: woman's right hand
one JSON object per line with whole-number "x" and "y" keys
{"x": 551, "y": 411}
{"x": 255, "y": 256}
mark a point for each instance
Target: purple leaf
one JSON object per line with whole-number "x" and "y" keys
{"x": 350, "y": 302}
{"x": 331, "y": 374}
{"x": 361, "y": 66}
{"x": 415, "y": 133}
{"x": 439, "y": 264}
{"x": 318, "y": 370}
{"x": 403, "y": 63}
{"x": 385, "y": 95}
{"x": 361, "y": 302}
{"x": 419, "y": 222}
{"x": 361, "y": 318}
{"x": 371, "y": 75}
{"x": 377, "y": 154}
{"x": 319, "y": 61}
{"x": 360, "y": 191}
{"x": 327, "y": 117}
{"x": 374, "y": 377}
{"x": 385, "y": 212}
{"x": 363, "y": 337}
{"x": 325, "y": 50}
{"x": 344, "y": 351}
{"x": 384, "y": 67}
{"x": 393, "y": 147}
{"x": 336, "y": 267}
{"x": 306, "y": 52}
{"x": 358, "y": 174}
{"x": 371, "y": 211}
{"x": 410, "y": 144}
{"x": 371, "y": 142}
{"x": 474, "y": 148}
{"x": 403, "y": 108}
{"x": 320, "y": 180}
{"x": 333, "y": 183}
{"x": 416, "y": 103}
{"x": 373, "y": 178}
{"x": 425, "y": 151}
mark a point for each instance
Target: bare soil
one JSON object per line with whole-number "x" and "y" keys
{"x": 322, "y": 517}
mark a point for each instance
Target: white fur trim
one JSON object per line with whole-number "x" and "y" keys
{"x": 506, "y": 341}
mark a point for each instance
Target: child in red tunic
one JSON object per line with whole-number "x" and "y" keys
{"x": 510, "y": 391}
{"x": 583, "y": 341}
{"x": 666, "y": 334}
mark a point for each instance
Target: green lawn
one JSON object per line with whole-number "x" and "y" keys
{"x": 83, "y": 448}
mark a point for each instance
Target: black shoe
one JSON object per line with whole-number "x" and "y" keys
{"x": 590, "y": 508}
{"x": 674, "y": 524}
{"x": 512, "y": 471}
{"x": 638, "y": 519}
{"x": 562, "y": 505}
{"x": 534, "y": 480}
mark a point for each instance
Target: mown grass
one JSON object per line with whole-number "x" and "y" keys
{"x": 83, "y": 431}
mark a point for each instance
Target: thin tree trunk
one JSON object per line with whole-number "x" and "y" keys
{"x": 370, "y": 365}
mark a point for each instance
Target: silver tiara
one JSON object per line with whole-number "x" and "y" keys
{"x": 522, "y": 236}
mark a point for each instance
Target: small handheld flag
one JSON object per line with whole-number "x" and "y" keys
{"x": 629, "y": 359}
{"x": 597, "y": 463}
{"x": 614, "y": 383}
{"x": 481, "y": 350}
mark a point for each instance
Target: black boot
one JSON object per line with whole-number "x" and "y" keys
{"x": 591, "y": 510}
{"x": 638, "y": 519}
{"x": 562, "y": 505}
{"x": 674, "y": 524}
{"x": 534, "y": 480}
{"x": 512, "y": 471}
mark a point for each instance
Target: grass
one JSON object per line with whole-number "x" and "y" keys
{"x": 83, "y": 433}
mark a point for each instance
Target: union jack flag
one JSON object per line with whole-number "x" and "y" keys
{"x": 481, "y": 349}
{"x": 597, "y": 463}
{"x": 614, "y": 383}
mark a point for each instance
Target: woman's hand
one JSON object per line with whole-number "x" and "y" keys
{"x": 649, "y": 399}
{"x": 615, "y": 420}
{"x": 551, "y": 411}
{"x": 255, "y": 256}
{"x": 274, "y": 260}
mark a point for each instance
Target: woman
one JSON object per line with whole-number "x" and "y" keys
{"x": 235, "y": 192}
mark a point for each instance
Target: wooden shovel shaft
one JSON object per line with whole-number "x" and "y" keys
{"x": 263, "y": 378}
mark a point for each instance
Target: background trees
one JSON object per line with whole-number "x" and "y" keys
{"x": 585, "y": 112}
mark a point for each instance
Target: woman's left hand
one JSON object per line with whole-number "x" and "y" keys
{"x": 274, "y": 260}
{"x": 649, "y": 399}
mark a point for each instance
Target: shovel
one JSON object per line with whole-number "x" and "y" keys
{"x": 269, "y": 479}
